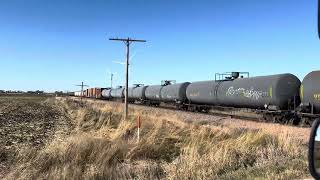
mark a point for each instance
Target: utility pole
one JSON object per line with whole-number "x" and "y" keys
{"x": 82, "y": 85}
{"x": 111, "y": 79}
{"x": 127, "y": 42}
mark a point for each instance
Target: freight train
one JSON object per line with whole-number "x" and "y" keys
{"x": 278, "y": 98}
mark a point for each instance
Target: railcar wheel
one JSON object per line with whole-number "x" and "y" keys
{"x": 277, "y": 119}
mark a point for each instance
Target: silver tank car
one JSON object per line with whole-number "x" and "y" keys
{"x": 310, "y": 92}
{"x": 153, "y": 93}
{"x": 174, "y": 93}
{"x": 201, "y": 92}
{"x": 106, "y": 93}
{"x": 118, "y": 92}
{"x": 256, "y": 92}
{"x": 137, "y": 93}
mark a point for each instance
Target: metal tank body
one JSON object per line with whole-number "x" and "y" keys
{"x": 137, "y": 93}
{"x": 310, "y": 91}
{"x": 255, "y": 92}
{"x": 201, "y": 92}
{"x": 153, "y": 93}
{"x": 130, "y": 91}
{"x": 174, "y": 93}
{"x": 117, "y": 93}
{"x": 260, "y": 92}
{"x": 106, "y": 93}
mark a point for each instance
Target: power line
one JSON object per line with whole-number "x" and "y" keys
{"x": 127, "y": 42}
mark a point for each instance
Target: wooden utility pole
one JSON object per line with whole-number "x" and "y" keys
{"x": 111, "y": 79}
{"x": 127, "y": 42}
{"x": 82, "y": 85}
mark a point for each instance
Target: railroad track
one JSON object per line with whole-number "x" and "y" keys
{"x": 243, "y": 114}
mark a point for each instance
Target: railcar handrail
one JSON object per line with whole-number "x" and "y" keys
{"x": 230, "y": 76}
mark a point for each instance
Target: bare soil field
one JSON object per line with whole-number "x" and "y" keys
{"x": 62, "y": 138}
{"x": 26, "y": 122}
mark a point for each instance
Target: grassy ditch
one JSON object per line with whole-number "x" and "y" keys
{"x": 103, "y": 146}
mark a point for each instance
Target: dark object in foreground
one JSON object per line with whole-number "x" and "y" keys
{"x": 314, "y": 150}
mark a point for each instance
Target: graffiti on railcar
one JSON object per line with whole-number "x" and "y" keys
{"x": 248, "y": 93}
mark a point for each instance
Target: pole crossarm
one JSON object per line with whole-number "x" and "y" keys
{"x": 82, "y": 86}
{"x": 126, "y": 40}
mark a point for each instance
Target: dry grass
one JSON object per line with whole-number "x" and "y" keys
{"x": 102, "y": 146}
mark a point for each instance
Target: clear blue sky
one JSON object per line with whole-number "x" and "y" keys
{"x": 55, "y": 44}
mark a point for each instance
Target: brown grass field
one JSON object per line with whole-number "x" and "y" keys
{"x": 47, "y": 138}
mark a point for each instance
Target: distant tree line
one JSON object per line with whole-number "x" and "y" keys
{"x": 38, "y": 92}
{"x": 11, "y": 92}
{"x": 35, "y": 92}
{"x": 21, "y": 92}
{"x": 61, "y": 93}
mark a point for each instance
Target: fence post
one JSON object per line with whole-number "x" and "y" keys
{"x": 139, "y": 126}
